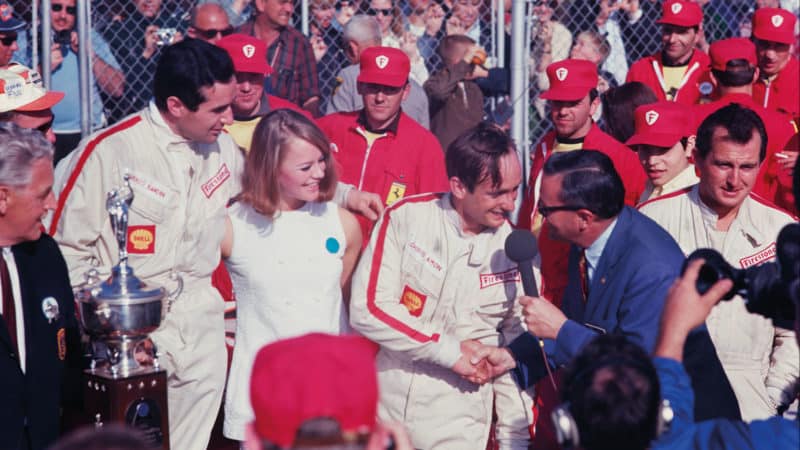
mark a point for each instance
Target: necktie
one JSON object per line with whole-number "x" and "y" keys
{"x": 9, "y": 312}
{"x": 584, "y": 275}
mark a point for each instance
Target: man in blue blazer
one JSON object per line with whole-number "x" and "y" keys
{"x": 621, "y": 266}
{"x": 38, "y": 329}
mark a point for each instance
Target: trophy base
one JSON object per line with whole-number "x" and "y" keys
{"x": 139, "y": 401}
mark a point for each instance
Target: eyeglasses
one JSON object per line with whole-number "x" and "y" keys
{"x": 57, "y": 7}
{"x": 547, "y": 210}
{"x": 383, "y": 11}
{"x": 45, "y": 127}
{"x": 9, "y": 39}
{"x": 212, "y": 33}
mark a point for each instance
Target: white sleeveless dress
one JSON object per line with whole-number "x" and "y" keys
{"x": 286, "y": 275}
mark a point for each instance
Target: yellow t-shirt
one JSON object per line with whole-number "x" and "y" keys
{"x": 242, "y": 132}
{"x": 672, "y": 79}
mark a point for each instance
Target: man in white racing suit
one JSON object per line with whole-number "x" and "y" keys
{"x": 182, "y": 170}
{"x": 720, "y": 212}
{"x": 434, "y": 279}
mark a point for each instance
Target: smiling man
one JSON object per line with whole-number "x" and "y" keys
{"x": 677, "y": 73}
{"x": 183, "y": 170}
{"x": 759, "y": 358}
{"x": 379, "y": 148}
{"x": 34, "y": 348}
{"x": 434, "y": 276}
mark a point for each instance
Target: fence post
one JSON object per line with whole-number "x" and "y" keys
{"x": 519, "y": 91}
{"x": 84, "y": 65}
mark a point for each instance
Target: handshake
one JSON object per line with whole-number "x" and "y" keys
{"x": 480, "y": 363}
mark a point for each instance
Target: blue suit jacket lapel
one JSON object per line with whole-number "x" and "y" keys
{"x": 611, "y": 257}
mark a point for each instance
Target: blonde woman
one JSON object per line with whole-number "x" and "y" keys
{"x": 290, "y": 251}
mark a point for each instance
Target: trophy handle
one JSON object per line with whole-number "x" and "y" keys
{"x": 172, "y": 296}
{"x": 91, "y": 277}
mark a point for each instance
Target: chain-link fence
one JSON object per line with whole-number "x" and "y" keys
{"x": 613, "y": 33}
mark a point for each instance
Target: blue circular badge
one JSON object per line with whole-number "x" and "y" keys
{"x": 332, "y": 245}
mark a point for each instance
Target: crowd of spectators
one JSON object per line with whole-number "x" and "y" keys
{"x": 126, "y": 42}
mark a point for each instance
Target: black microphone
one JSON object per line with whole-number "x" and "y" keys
{"x": 521, "y": 247}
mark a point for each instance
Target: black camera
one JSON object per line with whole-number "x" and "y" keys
{"x": 766, "y": 288}
{"x": 64, "y": 40}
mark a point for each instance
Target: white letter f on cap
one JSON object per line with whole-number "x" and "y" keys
{"x": 650, "y": 117}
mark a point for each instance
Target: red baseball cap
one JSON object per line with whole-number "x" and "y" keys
{"x": 661, "y": 124}
{"x": 249, "y": 54}
{"x": 726, "y": 50}
{"x": 774, "y": 24}
{"x": 570, "y": 79}
{"x": 681, "y": 13}
{"x": 384, "y": 65}
{"x": 314, "y": 376}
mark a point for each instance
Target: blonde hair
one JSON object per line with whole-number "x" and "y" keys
{"x": 260, "y": 187}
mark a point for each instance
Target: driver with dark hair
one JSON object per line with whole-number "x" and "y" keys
{"x": 183, "y": 170}
{"x": 720, "y": 212}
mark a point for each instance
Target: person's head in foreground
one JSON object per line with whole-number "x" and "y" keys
{"x": 612, "y": 398}
{"x": 317, "y": 391}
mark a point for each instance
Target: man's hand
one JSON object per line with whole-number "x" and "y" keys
{"x": 365, "y": 203}
{"x": 543, "y": 318}
{"x": 478, "y": 371}
{"x": 73, "y": 40}
{"x": 685, "y": 309}
{"x": 434, "y": 17}
{"x": 56, "y": 57}
{"x": 150, "y": 41}
{"x": 318, "y": 46}
{"x": 499, "y": 360}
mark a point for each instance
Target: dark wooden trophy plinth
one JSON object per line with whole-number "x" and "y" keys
{"x": 139, "y": 401}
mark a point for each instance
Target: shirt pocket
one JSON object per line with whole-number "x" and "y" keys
{"x": 153, "y": 207}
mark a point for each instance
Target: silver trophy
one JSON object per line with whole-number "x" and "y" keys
{"x": 122, "y": 310}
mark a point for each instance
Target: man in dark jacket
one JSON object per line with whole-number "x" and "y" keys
{"x": 38, "y": 333}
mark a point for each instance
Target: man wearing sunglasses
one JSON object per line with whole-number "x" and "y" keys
{"x": 106, "y": 76}
{"x": 209, "y": 23}
{"x": 10, "y": 26}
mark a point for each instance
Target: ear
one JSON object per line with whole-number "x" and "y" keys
{"x": 585, "y": 217}
{"x": 690, "y": 143}
{"x": 191, "y": 32}
{"x": 458, "y": 188}
{"x": 4, "y": 195}
{"x": 351, "y": 51}
{"x": 756, "y": 74}
{"x": 406, "y": 90}
{"x": 175, "y": 106}
{"x": 593, "y": 106}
